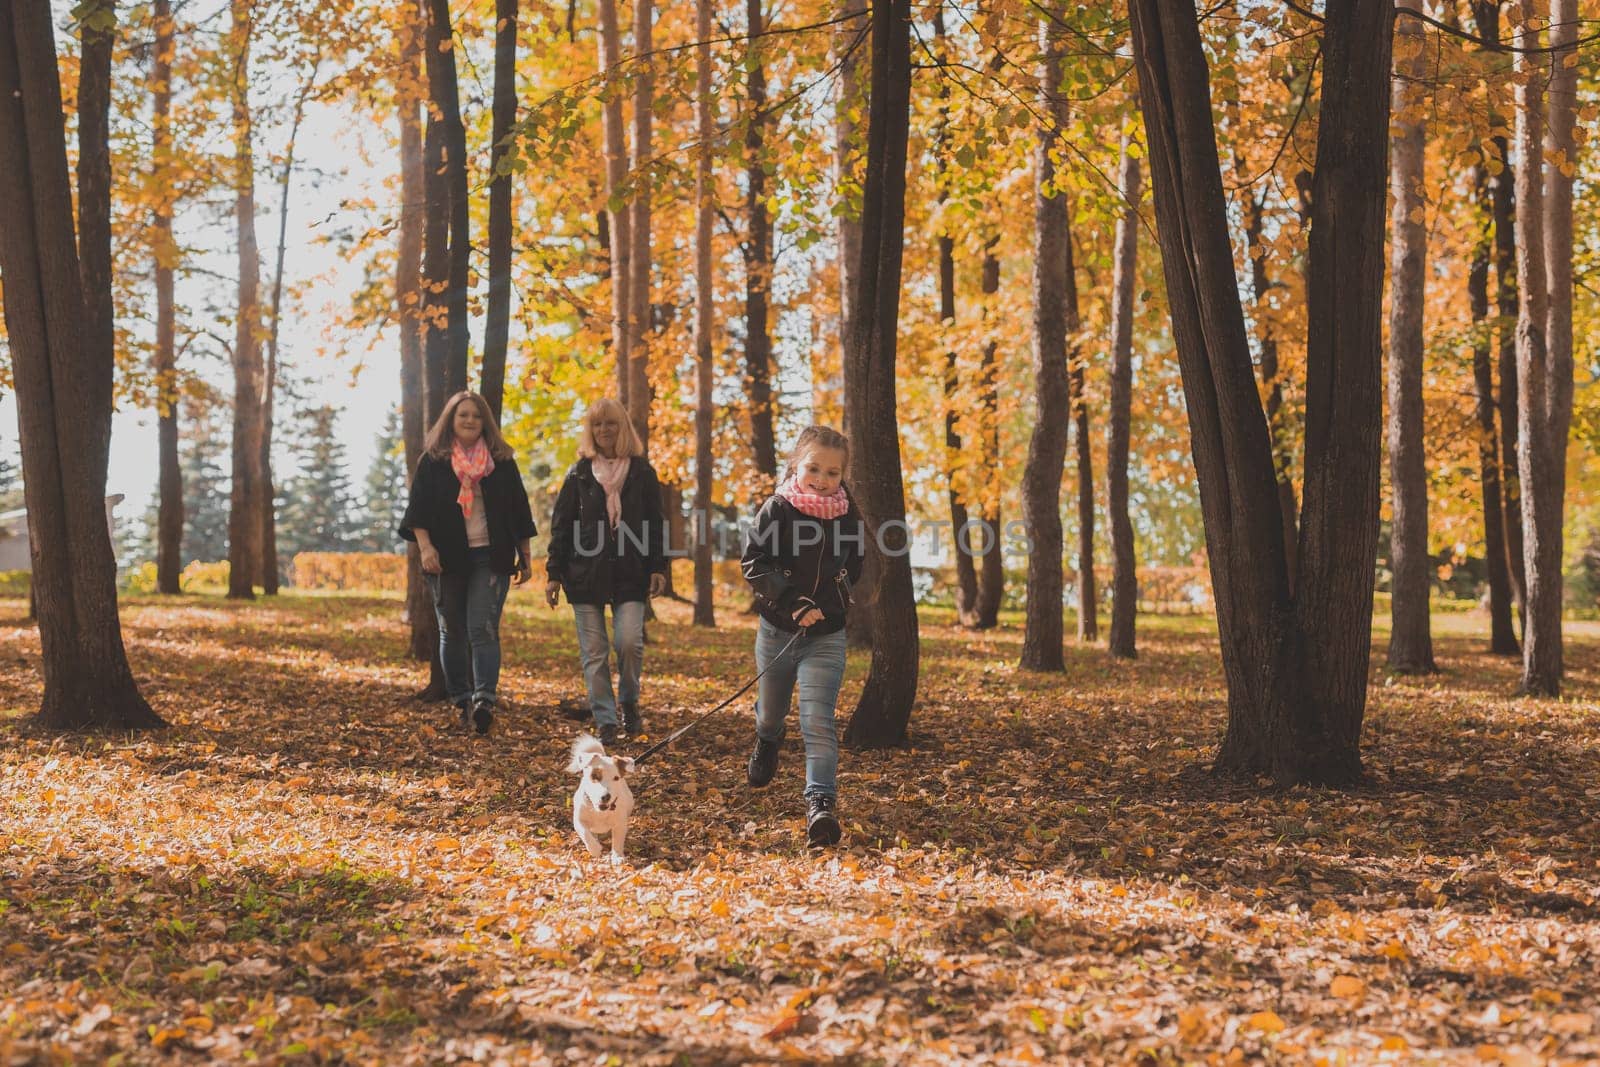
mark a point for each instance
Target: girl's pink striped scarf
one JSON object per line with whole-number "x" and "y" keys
{"x": 831, "y": 506}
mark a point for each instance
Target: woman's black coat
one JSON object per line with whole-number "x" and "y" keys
{"x": 432, "y": 506}
{"x": 594, "y": 563}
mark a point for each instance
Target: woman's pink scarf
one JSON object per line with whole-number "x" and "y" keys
{"x": 471, "y": 465}
{"x": 831, "y": 506}
{"x": 611, "y": 473}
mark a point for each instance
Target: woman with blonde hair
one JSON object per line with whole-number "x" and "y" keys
{"x": 468, "y": 513}
{"x": 608, "y": 545}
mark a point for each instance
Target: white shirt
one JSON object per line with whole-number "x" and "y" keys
{"x": 477, "y": 522}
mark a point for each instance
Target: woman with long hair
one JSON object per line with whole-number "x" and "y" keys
{"x": 608, "y": 545}
{"x": 468, "y": 513}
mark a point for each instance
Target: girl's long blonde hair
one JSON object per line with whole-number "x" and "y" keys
{"x": 628, "y": 443}
{"x": 442, "y": 435}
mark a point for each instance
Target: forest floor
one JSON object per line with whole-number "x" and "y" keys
{"x": 308, "y": 867}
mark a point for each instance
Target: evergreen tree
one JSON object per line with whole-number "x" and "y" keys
{"x": 205, "y": 487}
{"x": 10, "y": 478}
{"x": 386, "y": 489}
{"x": 318, "y": 501}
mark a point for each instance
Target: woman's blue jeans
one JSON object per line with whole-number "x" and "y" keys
{"x": 816, "y": 665}
{"x": 468, "y": 606}
{"x": 627, "y": 624}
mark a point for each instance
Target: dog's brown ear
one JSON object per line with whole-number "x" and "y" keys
{"x": 624, "y": 765}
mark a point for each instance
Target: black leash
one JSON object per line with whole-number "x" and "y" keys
{"x": 680, "y": 731}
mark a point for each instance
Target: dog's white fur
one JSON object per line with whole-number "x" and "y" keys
{"x": 602, "y": 802}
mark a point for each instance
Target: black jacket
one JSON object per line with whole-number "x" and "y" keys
{"x": 595, "y": 563}
{"x": 790, "y": 558}
{"x": 432, "y": 506}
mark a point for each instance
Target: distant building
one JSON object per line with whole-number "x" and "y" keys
{"x": 14, "y": 555}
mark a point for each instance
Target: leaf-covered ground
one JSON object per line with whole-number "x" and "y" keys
{"x": 308, "y": 866}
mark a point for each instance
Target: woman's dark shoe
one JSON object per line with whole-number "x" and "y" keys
{"x": 822, "y": 825}
{"x": 608, "y": 735}
{"x": 632, "y": 723}
{"x": 763, "y": 763}
{"x": 482, "y": 716}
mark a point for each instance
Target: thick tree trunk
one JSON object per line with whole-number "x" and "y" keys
{"x": 758, "y": 257}
{"x": 169, "y": 520}
{"x": 1502, "y": 627}
{"x": 1124, "y": 276}
{"x": 97, "y": 22}
{"x": 614, "y": 133}
{"x": 244, "y": 513}
{"x": 424, "y": 256}
{"x": 497, "y": 324}
{"x": 63, "y": 373}
{"x": 881, "y": 717}
{"x": 443, "y": 86}
{"x": 1047, "y": 445}
{"x": 1410, "y": 638}
{"x": 704, "y": 320}
{"x": 1544, "y": 328}
{"x": 640, "y": 391}
{"x": 1296, "y": 665}
{"x": 991, "y": 570}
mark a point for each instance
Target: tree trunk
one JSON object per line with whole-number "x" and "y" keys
{"x": 1124, "y": 276}
{"x": 850, "y": 44}
{"x": 497, "y": 325}
{"x": 169, "y": 521}
{"x": 452, "y": 134}
{"x": 1296, "y": 665}
{"x": 704, "y": 322}
{"x": 244, "y": 513}
{"x": 884, "y": 710}
{"x": 97, "y": 22}
{"x": 424, "y": 233}
{"x": 966, "y": 593}
{"x": 640, "y": 392}
{"x": 616, "y": 154}
{"x": 1088, "y": 599}
{"x": 1047, "y": 445}
{"x": 269, "y": 518}
{"x": 758, "y": 258}
{"x": 1544, "y": 328}
{"x": 63, "y": 373}
{"x": 991, "y": 571}
{"x": 1410, "y": 638}
{"x": 1502, "y": 627}
{"x": 1506, "y": 303}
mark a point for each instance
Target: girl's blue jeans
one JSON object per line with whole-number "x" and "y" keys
{"x": 816, "y": 665}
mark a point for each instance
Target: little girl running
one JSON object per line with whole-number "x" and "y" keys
{"x": 801, "y": 557}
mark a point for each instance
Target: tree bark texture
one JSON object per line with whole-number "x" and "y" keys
{"x": 704, "y": 320}
{"x": 758, "y": 258}
{"x": 881, "y": 717}
{"x": 63, "y": 374}
{"x": 443, "y": 85}
{"x": 614, "y": 135}
{"x": 991, "y": 570}
{"x": 1296, "y": 665}
{"x": 1124, "y": 276}
{"x": 497, "y": 322}
{"x": 169, "y": 520}
{"x": 1502, "y": 626}
{"x": 1047, "y": 445}
{"x": 244, "y": 512}
{"x": 640, "y": 391}
{"x": 1410, "y": 637}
